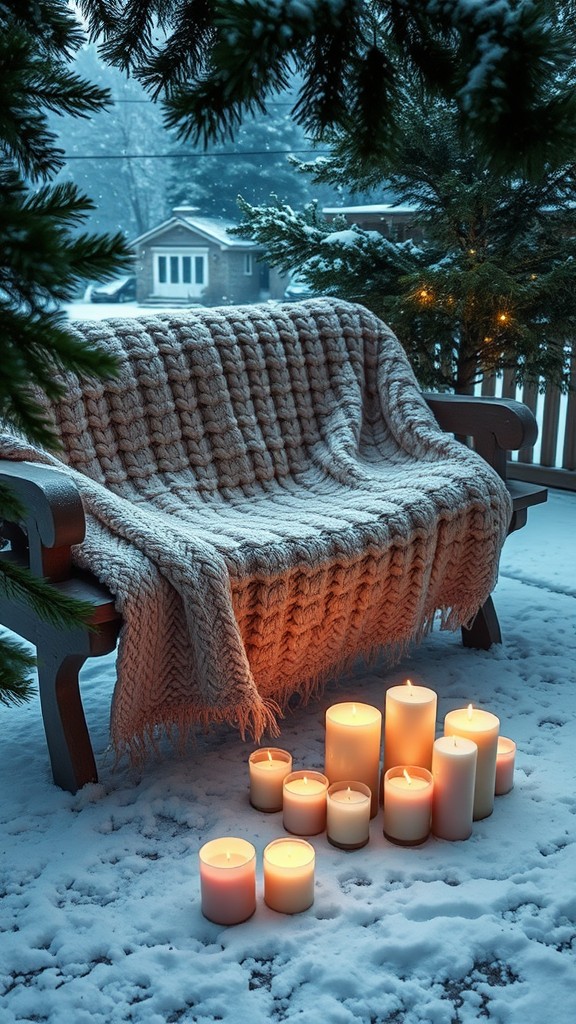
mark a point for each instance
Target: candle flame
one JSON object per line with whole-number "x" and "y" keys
{"x": 269, "y": 756}
{"x": 353, "y": 709}
{"x": 348, "y": 793}
{"x": 305, "y": 780}
{"x": 407, "y": 777}
{"x": 455, "y": 744}
{"x": 227, "y": 854}
{"x": 470, "y": 711}
{"x": 409, "y": 685}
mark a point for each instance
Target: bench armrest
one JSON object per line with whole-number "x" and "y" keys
{"x": 497, "y": 425}
{"x": 53, "y": 515}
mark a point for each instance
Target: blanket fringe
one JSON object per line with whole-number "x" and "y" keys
{"x": 256, "y": 719}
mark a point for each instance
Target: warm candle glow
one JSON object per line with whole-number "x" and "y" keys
{"x": 353, "y": 709}
{"x": 470, "y": 712}
{"x": 269, "y": 756}
{"x": 409, "y": 685}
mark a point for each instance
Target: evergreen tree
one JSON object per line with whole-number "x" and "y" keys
{"x": 493, "y": 284}
{"x": 44, "y": 256}
{"x": 500, "y": 62}
{"x": 212, "y": 181}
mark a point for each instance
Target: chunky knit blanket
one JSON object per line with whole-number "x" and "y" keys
{"x": 267, "y": 496}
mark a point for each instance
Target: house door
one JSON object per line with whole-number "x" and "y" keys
{"x": 180, "y": 275}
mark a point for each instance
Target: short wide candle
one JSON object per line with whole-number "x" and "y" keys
{"x": 289, "y": 875}
{"x": 482, "y": 727}
{"x": 353, "y": 742}
{"x": 408, "y": 793}
{"x": 228, "y": 880}
{"x": 454, "y": 773}
{"x": 304, "y": 803}
{"x": 348, "y": 815}
{"x": 268, "y": 767}
{"x": 505, "y": 757}
{"x": 409, "y": 725}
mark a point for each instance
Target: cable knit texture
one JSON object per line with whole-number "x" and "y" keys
{"x": 267, "y": 496}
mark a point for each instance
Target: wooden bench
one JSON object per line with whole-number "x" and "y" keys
{"x": 55, "y": 521}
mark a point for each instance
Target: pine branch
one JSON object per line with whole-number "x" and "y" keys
{"x": 19, "y": 585}
{"x": 16, "y": 664}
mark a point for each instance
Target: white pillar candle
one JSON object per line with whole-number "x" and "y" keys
{"x": 454, "y": 772}
{"x": 353, "y": 743}
{"x": 482, "y": 727}
{"x": 289, "y": 875}
{"x": 505, "y": 758}
{"x": 348, "y": 814}
{"x": 228, "y": 880}
{"x": 409, "y": 725}
{"x": 408, "y": 793}
{"x": 268, "y": 767}
{"x": 304, "y": 803}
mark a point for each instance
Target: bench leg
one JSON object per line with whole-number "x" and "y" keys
{"x": 485, "y": 628}
{"x": 69, "y": 745}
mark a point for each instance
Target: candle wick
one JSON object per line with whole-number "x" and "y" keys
{"x": 407, "y": 777}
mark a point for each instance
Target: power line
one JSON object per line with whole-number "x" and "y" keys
{"x": 196, "y": 156}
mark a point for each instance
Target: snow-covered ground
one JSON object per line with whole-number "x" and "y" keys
{"x": 100, "y": 919}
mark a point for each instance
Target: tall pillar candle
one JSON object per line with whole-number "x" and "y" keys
{"x": 228, "y": 880}
{"x": 353, "y": 742}
{"x": 409, "y": 725}
{"x": 482, "y": 727}
{"x": 454, "y": 772}
{"x": 408, "y": 791}
{"x": 289, "y": 875}
{"x": 268, "y": 767}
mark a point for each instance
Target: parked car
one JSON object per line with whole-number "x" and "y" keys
{"x": 297, "y": 289}
{"x": 120, "y": 289}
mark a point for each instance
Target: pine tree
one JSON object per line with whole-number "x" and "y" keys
{"x": 44, "y": 255}
{"x": 214, "y": 62}
{"x": 491, "y": 287}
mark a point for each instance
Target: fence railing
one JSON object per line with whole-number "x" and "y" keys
{"x": 552, "y": 460}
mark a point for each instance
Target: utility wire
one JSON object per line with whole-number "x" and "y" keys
{"x": 195, "y": 156}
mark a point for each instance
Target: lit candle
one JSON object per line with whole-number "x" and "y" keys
{"x": 505, "y": 757}
{"x": 408, "y": 793}
{"x": 289, "y": 875}
{"x": 228, "y": 880}
{"x": 482, "y": 727}
{"x": 304, "y": 803}
{"x": 454, "y": 772}
{"x": 348, "y": 815}
{"x": 409, "y": 726}
{"x": 268, "y": 767}
{"x": 353, "y": 742}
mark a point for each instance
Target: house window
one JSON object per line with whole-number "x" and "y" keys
{"x": 248, "y": 263}
{"x": 180, "y": 274}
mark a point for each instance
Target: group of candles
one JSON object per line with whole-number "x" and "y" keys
{"x": 429, "y": 785}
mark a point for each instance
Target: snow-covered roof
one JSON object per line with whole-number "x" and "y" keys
{"x": 381, "y": 208}
{"x": 214, "y": 229}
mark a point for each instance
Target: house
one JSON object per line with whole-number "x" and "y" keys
{"x": 394, "y": 222}
{"x": 192, "y": 259}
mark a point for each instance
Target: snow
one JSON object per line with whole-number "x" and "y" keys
{"x": 100, "y": 917}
